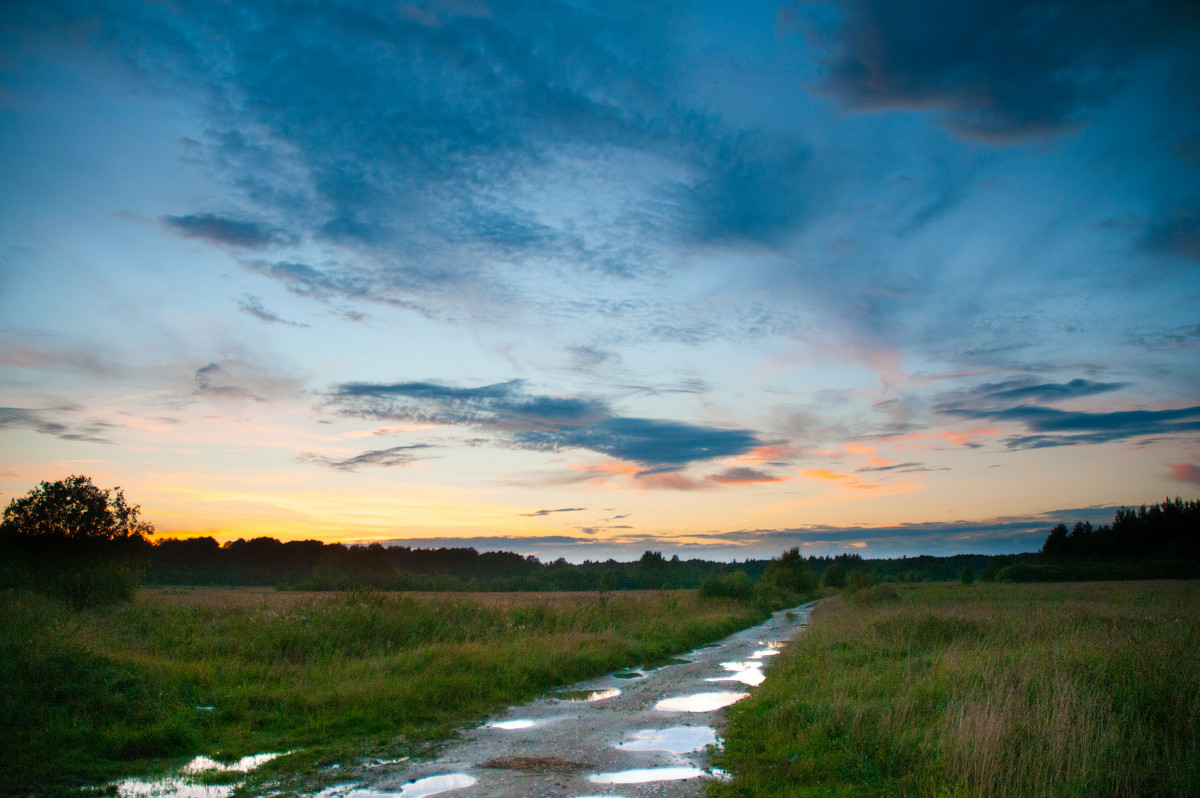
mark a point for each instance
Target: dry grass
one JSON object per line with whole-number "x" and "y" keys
{"x": 257, "y": 597}
{"x": 988, "y": 690}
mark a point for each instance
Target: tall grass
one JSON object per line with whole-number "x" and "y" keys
{"x": 981, "y": 690}
{"x": 88, "y": 696}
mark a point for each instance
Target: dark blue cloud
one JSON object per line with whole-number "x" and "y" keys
{"x": 1049, "y": 427}
{"x": 1020, "y": 391}
{"x": 655, "y": 443}
{"x": 544, "y": 423}
{"x": 998, "y": 69}
{"x": 224, "y": 231}
{"x": 385, "y": 458}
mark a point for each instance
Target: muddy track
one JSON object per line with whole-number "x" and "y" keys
{"x": 636, "y": 733}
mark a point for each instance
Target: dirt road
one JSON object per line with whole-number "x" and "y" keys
{"x": 637, "y": 733}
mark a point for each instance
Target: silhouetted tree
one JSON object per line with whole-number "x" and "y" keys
{"x": 72, "y": 539}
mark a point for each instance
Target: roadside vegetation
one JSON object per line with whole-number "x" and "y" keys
{"x": 980, "y": 690}
{"x": 132, "y": 688}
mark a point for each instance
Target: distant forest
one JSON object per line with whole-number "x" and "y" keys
{"x": 313, "y": 565}
{"x": 1159, "y": 541}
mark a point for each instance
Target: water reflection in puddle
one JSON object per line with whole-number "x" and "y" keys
{"x": 431, "y": 785}
{"x": 629, "y": 675}
{"x": 764, "y": 652}
{"x": 700, "y": 702}
{"x": 675, "y": 740}
{"x": 513, "y": 724}
{"x": 751, "y": 677}
{"x": 181, "y": 787}
{"x": 172, "y": 788}
{"x": 244, "y": 765}
{"x": 586, "y": 695}
{"x": 643, "y": 775}
{"x": 435, "y": 784}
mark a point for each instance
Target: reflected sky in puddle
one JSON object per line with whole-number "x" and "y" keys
{"x": 244, "y": 765}
{"x": 171, "y": 788}
{"x": 700, "y": 702}
{"x": 514, "y": 724}
{"x": 764, "y": 652}
{"x": 675, "y": 740}
{"x": 751, "y": 677}
{"x": 431, "y": 785}
{"x": 586, "y": 695}
{"x": 181, "y": 787}
{"x": 644, "y": 775}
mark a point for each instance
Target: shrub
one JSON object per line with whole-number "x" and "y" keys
{"x": 735, "y": 585}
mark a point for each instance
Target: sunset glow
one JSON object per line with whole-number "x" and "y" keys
{"x": 713, "y": 280}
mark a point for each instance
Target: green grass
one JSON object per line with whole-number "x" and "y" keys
{"x": 95, "y": 695}
{"x": 980, "y": 690}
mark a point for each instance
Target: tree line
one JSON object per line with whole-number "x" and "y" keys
{"x": 89, "y": 546}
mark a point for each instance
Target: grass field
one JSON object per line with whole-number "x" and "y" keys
{"x": 134, "y": 689}
{"x": 980, "y": 690}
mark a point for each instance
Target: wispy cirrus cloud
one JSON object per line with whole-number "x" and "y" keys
{"x": 380, "y": 458}
{"x": 51, "y": 422}
{"x": 536, "y": 422}
{"x": 543, "y": 513}
{"x": 252, "y": 305}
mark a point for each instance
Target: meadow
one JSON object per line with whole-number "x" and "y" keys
{"x": 137, "y": 688}
{"x": 980, "y": 690}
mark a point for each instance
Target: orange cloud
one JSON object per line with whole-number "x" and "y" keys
{"x": 867, "y": 452}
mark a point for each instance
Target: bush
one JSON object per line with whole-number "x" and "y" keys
{"x": 735, "y": 585}
{"x": 834, "y": 576}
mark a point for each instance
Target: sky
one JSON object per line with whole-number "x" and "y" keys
{"x": 587, "y": 279}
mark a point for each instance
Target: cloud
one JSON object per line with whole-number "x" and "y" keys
{"x": 1024, "y": 390}
{"x": 224, "y": 231}
{"x": 1176, "y": 234}
{"x": 743, "y": 476}
{"x": 544, "y": 423}
{"x": 1186, "y": 472}
{"x": 384, "y": 458}
{"x": 237, "y": 380}
{"x": 901, "y": 468}
{"x": 540, "y": 513}
{"x": 1002, "y": 71}
{"x": 39, "y": 421}
{"x": 253, "y": 306}
{"x": 1051, "y": 427}
{"x": 212, "y": 380}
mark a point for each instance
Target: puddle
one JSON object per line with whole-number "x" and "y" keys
{"x": 675, "y": 740}
{"x": 202, "y": 764}
{"x": 644, "y": 775}
{"x": 764, "y": 652}
{"x": 629, "y": 675}
{"x": 586, "y": 695}
{"x": 751, "y": 677}
{"x": 172, "y": 788}
{"x": 700, "y": 702}
{"x": 182, "y": 787}
{"x": 431, "y": 785}
{"x": 435, "y": 784}
{"x": 513, "y": 724}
